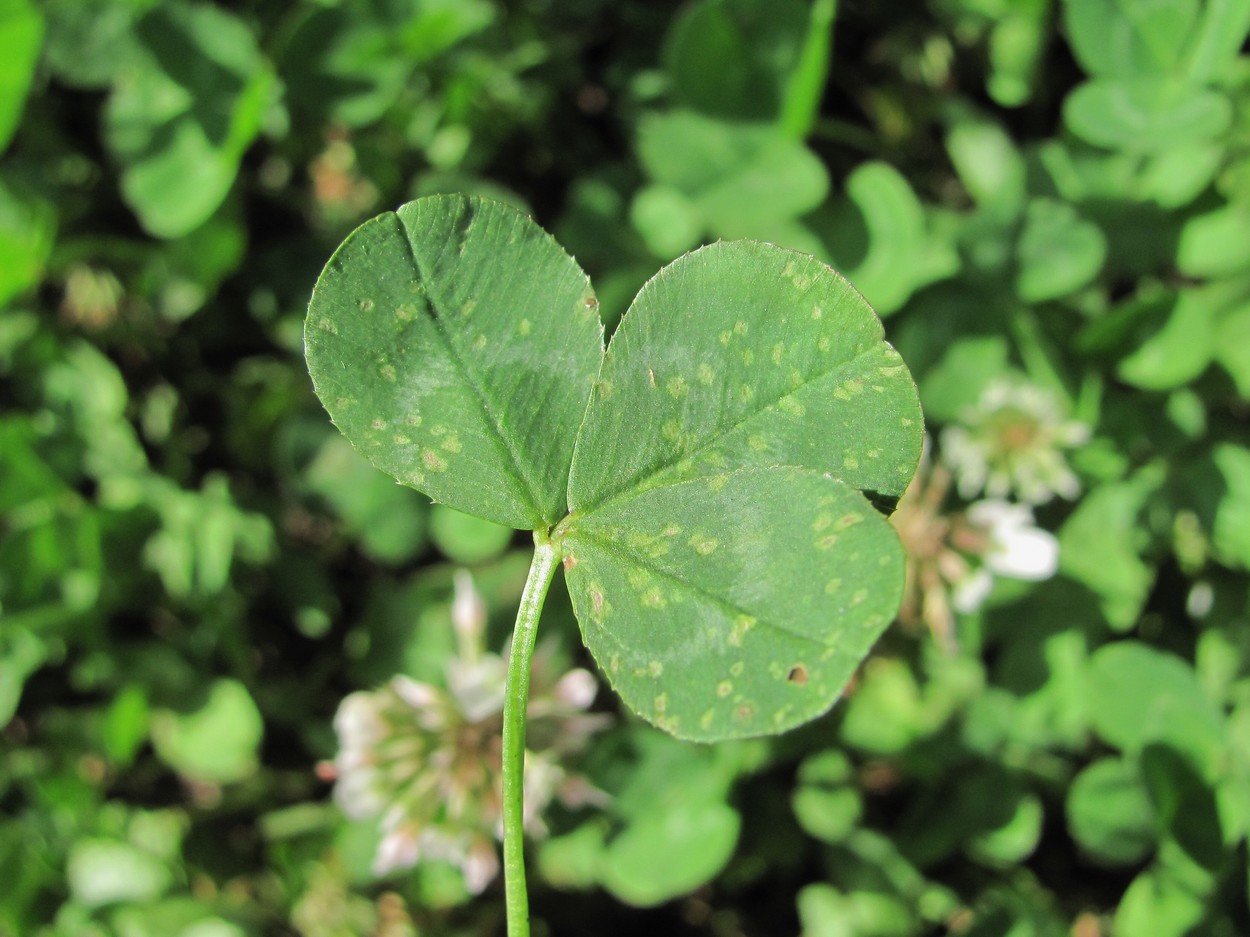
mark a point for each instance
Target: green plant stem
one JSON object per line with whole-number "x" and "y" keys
{"x": 516, "y": 698}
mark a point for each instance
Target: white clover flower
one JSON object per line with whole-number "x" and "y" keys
{"x": 1012, "y": 442}
{"x": 953, "y": 555}
{"x": 427, "y": 759}
{"x": 1016, "y": 549}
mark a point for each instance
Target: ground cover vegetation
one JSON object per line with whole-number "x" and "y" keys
{"x": 249, "y": 685}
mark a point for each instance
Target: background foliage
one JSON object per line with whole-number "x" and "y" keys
{"x": 195, "y": 568}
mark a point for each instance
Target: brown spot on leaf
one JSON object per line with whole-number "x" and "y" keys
{"x": 797, "y": 675}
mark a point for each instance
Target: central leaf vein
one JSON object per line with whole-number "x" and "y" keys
{"x": 614, "y": 548}
{"x": 508, "y": 445}
{"x": 637, "y": 483}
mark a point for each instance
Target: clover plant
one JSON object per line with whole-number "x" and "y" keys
{"x": 711, "y": 484}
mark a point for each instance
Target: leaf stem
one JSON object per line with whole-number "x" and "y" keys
{"x": 516, "y": 698}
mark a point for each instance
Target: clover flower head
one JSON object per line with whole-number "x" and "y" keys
{"x": 1012, "y": 442}
{"x": 954, "y": 554}
{"x": 1016, "y": 549}
{"x": 426, "y": 759}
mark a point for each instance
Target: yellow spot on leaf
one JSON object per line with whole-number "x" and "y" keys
{"x": 525, "y": 327}
{"x": 676, "y": 387}
{"x": 704, "y": 546}
{"x": 705, "y": 374}
{"x": 405, "y": 312}
{"x": 654, "y": 598}
{"x": 791, "y": 406}
{"x": 433, "y": 461}
{"x": 724, "y": 688}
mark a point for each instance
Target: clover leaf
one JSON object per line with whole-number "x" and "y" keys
{"x": 704, "y": 480}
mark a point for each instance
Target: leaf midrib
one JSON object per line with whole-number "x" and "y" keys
{"x": 507, "y": 445}
{"x": 636, "y": 484}
{"x": 613, "y": 549}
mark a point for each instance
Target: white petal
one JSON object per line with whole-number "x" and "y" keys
{"x": 398, "y": 850}
{"x": 419, "y": 696}
{"x": 577, "y": 688}
{"x": 997, "y": 515}
{"x": 1028, "y": 553}
{"x": 480, "y": 865}
{"x": 969, "y": 595}
{"x": 357, "y": 722}
{"x": 468, "y": 611}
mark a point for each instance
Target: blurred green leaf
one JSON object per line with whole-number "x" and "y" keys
{"x": 733, "y": 58}
{"x": 1212, "y": 244}
{"x": 1128, "y": 39}
{"x": 216, "y": 743}
{"x": 1145, "y": 114}
{"x": 463, "y": 538}
{"x": 989, "y": 164}
{"x": 89, "y": 41}
{"x": 827, "y": 912}
{"x": 826, "y": 802}
{"x": 1058, "y": 251}
{"x": 180, "y": 118}
{"x": 1141, "y": 696}
{"x": 877, "y": 238}
{"x": 958, "y": 380}
{"x": 389, "y": 520}
{"x": 27, "y": 229}
{"x": 737, "y": 175}
{"x": 104, "y": 871}
{"x": 21, "y": 33}
{"x": 1158, "y": 905}
{"x": 1110, "y": 813}
{"x": 126, "y": 724}
{"x": 1101, "y": 546}
{"x": 669, "y": 852}
{"x": 1179, "y": 350}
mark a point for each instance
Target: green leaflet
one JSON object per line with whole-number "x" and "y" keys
{"x": 454, "y": 343}
{"x": 703, "y": 479}
{"x": 745, "y": 354}
{"x": 733, "y": 605}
